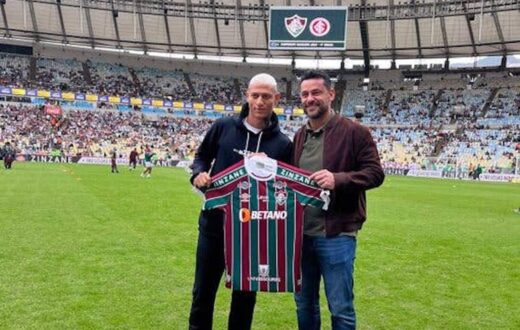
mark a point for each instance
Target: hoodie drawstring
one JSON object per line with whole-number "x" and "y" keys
{"x": 247, "y": 144}
{"x": 259, "y": 139}
{"x": 257, "y": 144}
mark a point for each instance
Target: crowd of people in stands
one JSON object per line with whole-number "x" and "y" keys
{"x": 14, "y": 70}
{"x": 156, "y": 83}
{"x": 61, "y": 74}
{"x": 37, "y": 137}
{"x": 444, "y": 117}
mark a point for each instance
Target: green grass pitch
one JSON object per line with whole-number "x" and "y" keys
{"x": 81, "y": 248}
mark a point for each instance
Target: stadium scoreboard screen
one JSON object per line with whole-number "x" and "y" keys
{"x": 316, "y": 28}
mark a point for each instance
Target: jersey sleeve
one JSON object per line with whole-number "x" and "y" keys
{"x": 222, "y": 186}
{"x": 320, "y": 199}
{"x": 307, "y": 191}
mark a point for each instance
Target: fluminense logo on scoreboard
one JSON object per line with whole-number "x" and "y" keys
{"x": 295, "y": 25}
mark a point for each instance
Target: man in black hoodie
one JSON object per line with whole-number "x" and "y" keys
{"x": 255, "y": 130}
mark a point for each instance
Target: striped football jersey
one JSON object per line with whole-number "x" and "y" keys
{"x": 263, "y": 201}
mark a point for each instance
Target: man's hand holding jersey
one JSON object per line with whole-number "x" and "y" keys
{"x": 202, "y": 180}
{"x": 324, "y": 179}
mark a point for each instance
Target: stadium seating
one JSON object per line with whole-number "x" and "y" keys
{"x": 436, "y": 121}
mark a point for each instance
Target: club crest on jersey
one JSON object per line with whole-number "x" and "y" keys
{"x": 280, "y": 196}
{"x": 295, "y": 25}
{"x": 279, "y": 185}
{"x": 244, "y": 185}
{"x": 263, "y": 270}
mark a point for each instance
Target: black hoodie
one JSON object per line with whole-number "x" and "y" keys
{"x": 224, "y": 137}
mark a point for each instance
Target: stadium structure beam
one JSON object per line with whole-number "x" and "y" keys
{"x": 51, "y": 36}
{"x": 266, "y": 19}
{"x": 253, "y": 12}
{"x": 217, "y": 30}
{"x": 444, "y": 37}
{"x": 89, "y": 25}
{"x": 241, "y": 30}
{"x": 189, "y": 6}
{"x": 363, "y": 31}
{"x": 343, "y": 53}
{"x": 141, "y": 25}
{"x": 7, "y": 34}
{"x": 34, "y": 22}
{"x": 469, "y": 18}
{"x": 392, "y": 35}
{"x": 499, "y": 32}
{"x": 418, "y": 35}
{"x": 167, "y": 28}
{"x": 60, "y": 14}
{"x": 115, "y": 14}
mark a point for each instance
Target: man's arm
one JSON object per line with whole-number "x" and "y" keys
{"x": 205, "y": 154}
{"x": 370, "y": 173}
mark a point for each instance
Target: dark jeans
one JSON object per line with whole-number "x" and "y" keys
{"x": 208, "y": 273}
{"x": 332, "y": 259}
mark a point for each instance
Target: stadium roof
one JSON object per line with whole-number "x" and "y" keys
{"x": 389, "y": 29}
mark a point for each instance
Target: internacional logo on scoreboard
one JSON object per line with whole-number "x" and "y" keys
{"x": 312, "y": 28}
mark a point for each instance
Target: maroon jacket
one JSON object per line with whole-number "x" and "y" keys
{"x": 350, "y": 153}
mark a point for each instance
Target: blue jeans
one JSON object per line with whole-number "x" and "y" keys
{"x": 332, "y": 258}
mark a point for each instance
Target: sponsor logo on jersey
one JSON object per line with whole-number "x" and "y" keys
{"x": 229, "y": 177}
{"x": 244, "y": 197}
{"x": 263, "y": 270}
{"x": 296, "y": 177}
{"x": 246, "y": 215}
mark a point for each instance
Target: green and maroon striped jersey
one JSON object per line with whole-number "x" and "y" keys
{"x": 263, "y": 201}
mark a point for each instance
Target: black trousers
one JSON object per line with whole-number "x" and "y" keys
{"x": 208, "y": 273}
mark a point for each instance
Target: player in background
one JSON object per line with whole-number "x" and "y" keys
{"x": 9, "y": 154}
{"x": 343, "y": 158}
{"x": 148, "y": 165}
{"x": 133, "y": 159}
{"x": 113, "y": 161}
{"x": 256, "y": 130}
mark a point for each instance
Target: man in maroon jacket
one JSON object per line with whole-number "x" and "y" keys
{"x": 133, "y": 159}
{"x": 343, "y": 158}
